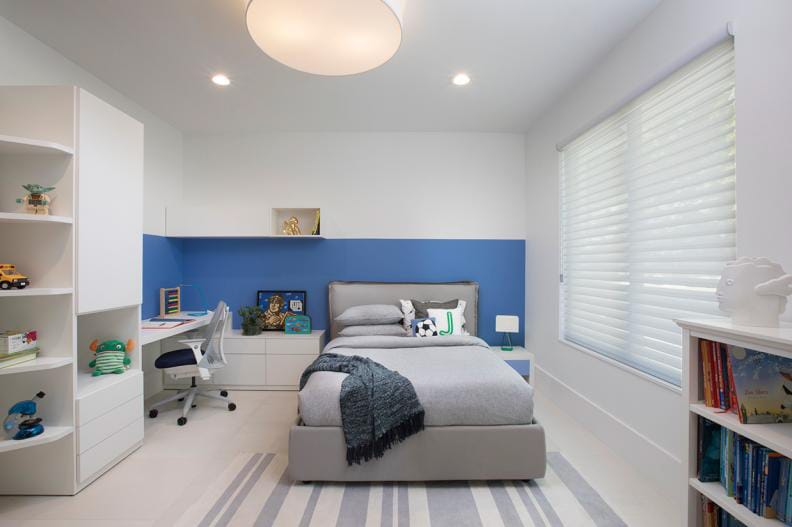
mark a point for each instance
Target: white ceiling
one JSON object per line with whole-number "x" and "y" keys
{"x": 521, "y": 55}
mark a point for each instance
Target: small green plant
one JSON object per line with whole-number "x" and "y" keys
{"x": 251, "y": 319}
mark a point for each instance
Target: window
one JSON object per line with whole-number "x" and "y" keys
{"x": 648, "y": 217}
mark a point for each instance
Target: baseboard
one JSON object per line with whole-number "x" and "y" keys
{"x": 650, "y": 459}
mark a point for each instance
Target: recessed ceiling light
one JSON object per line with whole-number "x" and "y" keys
{"x": 221, "y": 80}
{"x": 461, "y": 79}
{"x": 327, "y": 38}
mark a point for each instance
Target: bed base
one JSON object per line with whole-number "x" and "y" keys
{"x": 438, "y": 453}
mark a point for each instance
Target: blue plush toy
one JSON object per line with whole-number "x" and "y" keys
{"x": 20, "y": 423}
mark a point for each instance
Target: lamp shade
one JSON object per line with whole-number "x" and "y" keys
{"x": 327, "y": 37}
{"x": 507, "y": 324}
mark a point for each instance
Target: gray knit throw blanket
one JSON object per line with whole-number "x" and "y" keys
{"x": 379, "y": 407}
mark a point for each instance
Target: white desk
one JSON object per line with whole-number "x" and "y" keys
{"x": 147, "y": 336}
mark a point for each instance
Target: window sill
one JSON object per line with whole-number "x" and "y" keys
{"x": 624, "y": 367}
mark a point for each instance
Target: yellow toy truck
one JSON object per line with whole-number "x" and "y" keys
{"x": 10, "y": 278}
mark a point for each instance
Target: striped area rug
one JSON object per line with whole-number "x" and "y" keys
{"x": 255, "y": 491}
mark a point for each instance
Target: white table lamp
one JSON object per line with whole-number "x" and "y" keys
{"x": 507, "y": 324}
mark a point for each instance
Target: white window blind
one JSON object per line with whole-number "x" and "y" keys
{"x": 648, "y": 217}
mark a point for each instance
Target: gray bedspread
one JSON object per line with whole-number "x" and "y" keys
{"x": 458, "y": 380}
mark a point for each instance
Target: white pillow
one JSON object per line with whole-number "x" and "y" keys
{"x": 408, "y": 312}
{"x": 449, "y": 321}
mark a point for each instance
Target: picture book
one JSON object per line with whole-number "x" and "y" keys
{"x": 763, "y": 386}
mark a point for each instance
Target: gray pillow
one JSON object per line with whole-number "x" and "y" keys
{"x": 422, "y": 307}
{"x": 370, "y": 315}
{"x": 386, "y": 330}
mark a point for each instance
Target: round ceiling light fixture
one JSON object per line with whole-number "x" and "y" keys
{"x": 221, "y": 79}
{"x": 461, "y": 79}
{"x": 327, "y": 37}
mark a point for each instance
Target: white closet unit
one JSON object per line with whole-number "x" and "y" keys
{"x": 84, "y": 263}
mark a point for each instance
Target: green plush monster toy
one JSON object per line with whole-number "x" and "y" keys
{"x": 110, "y": 356}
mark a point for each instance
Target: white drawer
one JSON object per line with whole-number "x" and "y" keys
{"x": 95, "y": 404}
{"x": 242, "y": 370}
{"x": 293, "y": 346}
{"x": 242, "y": 345}
{"x": 96, "y": 431}
{"x": 285, "y": 370}
{"x": 108, "y": 451}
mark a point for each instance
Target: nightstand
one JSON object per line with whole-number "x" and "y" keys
{"x": 519, "y": 358}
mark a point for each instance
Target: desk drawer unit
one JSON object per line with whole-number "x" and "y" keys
{"x": 241, "y": 370}
{"x": 109, "y": 424}
{"x": 285, "y": 370}
{"x": 245, "y": 346}
{"x": 296, "y": 345}
{"x": 99, "y": 402}
{"x": 106, "y": 453}
{"x": 94, "y": 432}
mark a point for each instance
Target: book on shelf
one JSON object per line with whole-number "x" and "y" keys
{"x": 714, "y": 516}
{"x": 15, "y": 341}
{"x": 717, "y": 375}
{"x": 7, "y": 360}
{"x": 762, "y": 384}
{"x": 755, "y": 476}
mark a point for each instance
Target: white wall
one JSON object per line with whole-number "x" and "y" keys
{"x": 25, "y": 60}
{"x": 368, "y": 185}
{"x": 641, "y": 419}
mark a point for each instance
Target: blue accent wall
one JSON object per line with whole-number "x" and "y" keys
{"x": 162, "y": 267}
{"x": 234, "y": 269}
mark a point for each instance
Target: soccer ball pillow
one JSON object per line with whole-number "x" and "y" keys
{"x": 424, "y": 327}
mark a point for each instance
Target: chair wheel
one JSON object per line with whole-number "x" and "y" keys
{"x": 181, "y": 399}
{"x": 195, "y": 406}
{"x": 153, "y": 413}
{"x": 231, "y": 407}
{"x": 181, "y": 421}
{"x": 223, "y": 393}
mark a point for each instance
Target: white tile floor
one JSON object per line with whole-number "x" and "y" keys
{"x": 153, "y": 486}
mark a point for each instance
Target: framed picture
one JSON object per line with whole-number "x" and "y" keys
{"x": 277, "y": 305}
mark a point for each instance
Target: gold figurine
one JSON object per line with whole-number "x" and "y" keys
{"x": 291, "y": 227}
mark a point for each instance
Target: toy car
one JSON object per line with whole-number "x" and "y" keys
{"x": 9, "y": 277}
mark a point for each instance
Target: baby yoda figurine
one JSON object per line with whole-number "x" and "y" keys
{"x": 111, "y": 356}
{"x": 37, "y": 201}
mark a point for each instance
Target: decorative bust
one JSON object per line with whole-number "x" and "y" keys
{"x": 753, "y": 291}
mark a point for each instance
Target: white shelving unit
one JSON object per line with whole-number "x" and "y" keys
{"x": 51, "y": 433}
{"x": 26, "y": 145}
{"x": 64, "y": 137}
{"x": 37, "y": 291}
{"x": 187, "y": 221}
{"x": 18, "y": 217}
{"x": 778, "y": 437}
{"x": 37, "y": 364}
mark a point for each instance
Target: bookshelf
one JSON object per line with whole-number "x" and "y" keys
{"x": 778, "y": 437}
{"x": 64, "y": 137}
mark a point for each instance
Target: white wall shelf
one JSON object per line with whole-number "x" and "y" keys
{"x": 37, "y": 364}
{"x": 51, "y": 433}
{"x": 21, "y": 217}
{"x": 24, "y": 145}
{"x": 778, "y": 437}
{"x": 211, "y": 221}
{"x": 37, "y": 291}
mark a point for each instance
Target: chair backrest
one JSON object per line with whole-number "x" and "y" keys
{"x": 214, "y": 333}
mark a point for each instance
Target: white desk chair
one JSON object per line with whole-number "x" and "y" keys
{"x": 204, "y": 355}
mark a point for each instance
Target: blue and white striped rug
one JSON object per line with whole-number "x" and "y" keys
{"x": 256, "y": 491}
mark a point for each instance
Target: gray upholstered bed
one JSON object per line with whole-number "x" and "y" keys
{"x": 479, "y": 412}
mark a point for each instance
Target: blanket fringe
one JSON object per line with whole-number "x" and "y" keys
{"x": 358, "y": 454}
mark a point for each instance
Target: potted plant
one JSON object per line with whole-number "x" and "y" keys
{"x": 251, "y": 319}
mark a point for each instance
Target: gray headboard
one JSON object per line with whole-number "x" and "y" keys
{"x": 343, "y": 295}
